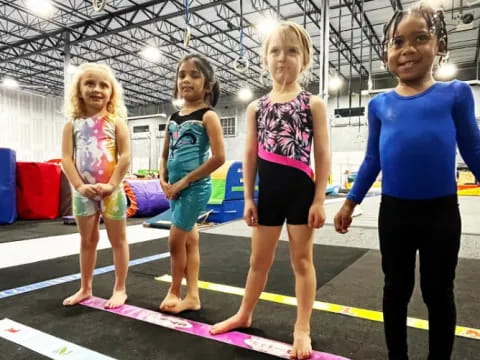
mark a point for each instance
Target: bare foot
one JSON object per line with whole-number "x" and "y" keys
{"x": 302, "y": 345}
{"x": 234, "y": 322}
{"x": 118, "y": 299}
{"x": 188, "y": 303}
{"x": 169, "y": 302}
{"x": 79, "y": 296}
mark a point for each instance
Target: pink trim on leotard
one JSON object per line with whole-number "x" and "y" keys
{"x": 283, "y": 160}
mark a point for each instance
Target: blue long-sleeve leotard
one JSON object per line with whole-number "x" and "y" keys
{"x": 412, "y": 140}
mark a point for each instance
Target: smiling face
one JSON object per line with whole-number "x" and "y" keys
{"x": 191, "y": 82}
{"x": 95, "y": 90}
{"x": 412, "y": 49}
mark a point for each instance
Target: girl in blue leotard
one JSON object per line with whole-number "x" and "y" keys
{"x": 413, "y": 133}
{"x": 185, "y": 167}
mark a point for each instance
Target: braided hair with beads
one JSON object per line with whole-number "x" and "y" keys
{"x": 434, "y": 18}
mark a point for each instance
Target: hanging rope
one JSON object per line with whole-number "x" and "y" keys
{"x": 339, "y": 51}
{"x": 241, "y": 63}
{"x": 362, "y": 15}
{"x": 241, "y": 27}
{"x": 305, "y": 14}
{"x": 188, "y": 33}
{"x": 100, "y": 7}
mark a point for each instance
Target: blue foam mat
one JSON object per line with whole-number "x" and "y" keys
{"x": 8, "y": 198}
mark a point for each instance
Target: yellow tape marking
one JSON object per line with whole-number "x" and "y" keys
{"x": 323, "y": 306}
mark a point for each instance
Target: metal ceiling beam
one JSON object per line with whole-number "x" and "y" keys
{"x": 200, "y": 45}
{"x": 355, "y": 8}
{"x": 89, "y": 24}
{"x": 227, "y": 14}
{"x": 266, "y": 5}
{"x": 36, "y": 44}
{"x": 205, "y": 46}
{"x": 55, "y": 86}
{"x": 396, "y": 5}
{"x": 340, "y": 43}
{"x": 55, "y": 83}
{"x": 90, "y": 48}
{"x": 52, "y": 60}
{"x": 130, "y": 39}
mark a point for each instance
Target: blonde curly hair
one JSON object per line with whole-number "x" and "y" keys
{"x": 74, "y": 105}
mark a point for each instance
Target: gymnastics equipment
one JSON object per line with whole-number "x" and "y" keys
{"x": 467, "y": 184}
{"x": 164, "y": 220}
{"x": 188, "y": 33}
{"x": 69, "y": 220}
{"x": 65, "y": 196}
{"x": 227, "y": 201}
{"x": 38, "y": 190}
{"x": 332, "y": 190}
{"x": 99, "y": 7}
{"x": 468, "y": 190}
{"x": 8, "y": 200}
{"x": 146, "y": 197}
{"x": 65, "y": 208}
{"x": 241, "y": 63}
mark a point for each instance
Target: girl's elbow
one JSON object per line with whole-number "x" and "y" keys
{"x": 220, "y": 159}
{"x": 65, "y": 161}
{"x": 126, "y": 156}
{"x": 124, "y": 161}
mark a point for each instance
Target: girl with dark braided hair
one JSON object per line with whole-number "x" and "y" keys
{"x": 413, "y": 133}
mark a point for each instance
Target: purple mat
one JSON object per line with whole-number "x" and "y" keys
{"x": 235, "y": 338}
{"x": 149, "y": 196}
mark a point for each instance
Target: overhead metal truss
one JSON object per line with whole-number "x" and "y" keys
{"x": 32, "y": 49}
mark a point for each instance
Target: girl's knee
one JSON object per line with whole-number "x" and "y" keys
{"x": 119, "y": 243}
{"x": 302, "y": 265}
{"x": 192, "y": 240}
{"x": 398, "y": 291}
{"x": 88, "y": 242}
{"x": 260, "y": 263}
{"x": 176, "y": 246}
{"x": 436, "y": 295}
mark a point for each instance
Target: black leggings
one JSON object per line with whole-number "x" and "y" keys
{"x": 433, "y": 228}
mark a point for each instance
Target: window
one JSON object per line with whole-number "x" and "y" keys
{"x": 161, "y": 130}
{"x": 141, "y": 129}
{"x": 229, "y": 125}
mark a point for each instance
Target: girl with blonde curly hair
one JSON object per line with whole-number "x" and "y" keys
{"x": 95, "y": 158}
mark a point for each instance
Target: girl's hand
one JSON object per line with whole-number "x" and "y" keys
{"x": 88, "y": 191}
{"x": 316, "y": 215}
{"x": 250, "y": 213}
{"x": 175, "y": 189}
{"x": 165, "y": 186}
{"x": 343, "y": 219}
{"x": 104, "y": 189}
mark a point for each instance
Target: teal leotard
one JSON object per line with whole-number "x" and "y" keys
{"x": 189, "y": 149}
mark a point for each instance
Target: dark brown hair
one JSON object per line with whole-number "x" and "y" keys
{"x": 207, "y": 70}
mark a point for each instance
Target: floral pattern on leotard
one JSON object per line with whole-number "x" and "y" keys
{"x": 286, "y": 128}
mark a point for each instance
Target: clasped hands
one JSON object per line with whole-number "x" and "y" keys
{"x": 172, "y": 191}
{"x": 96, "y": 191}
